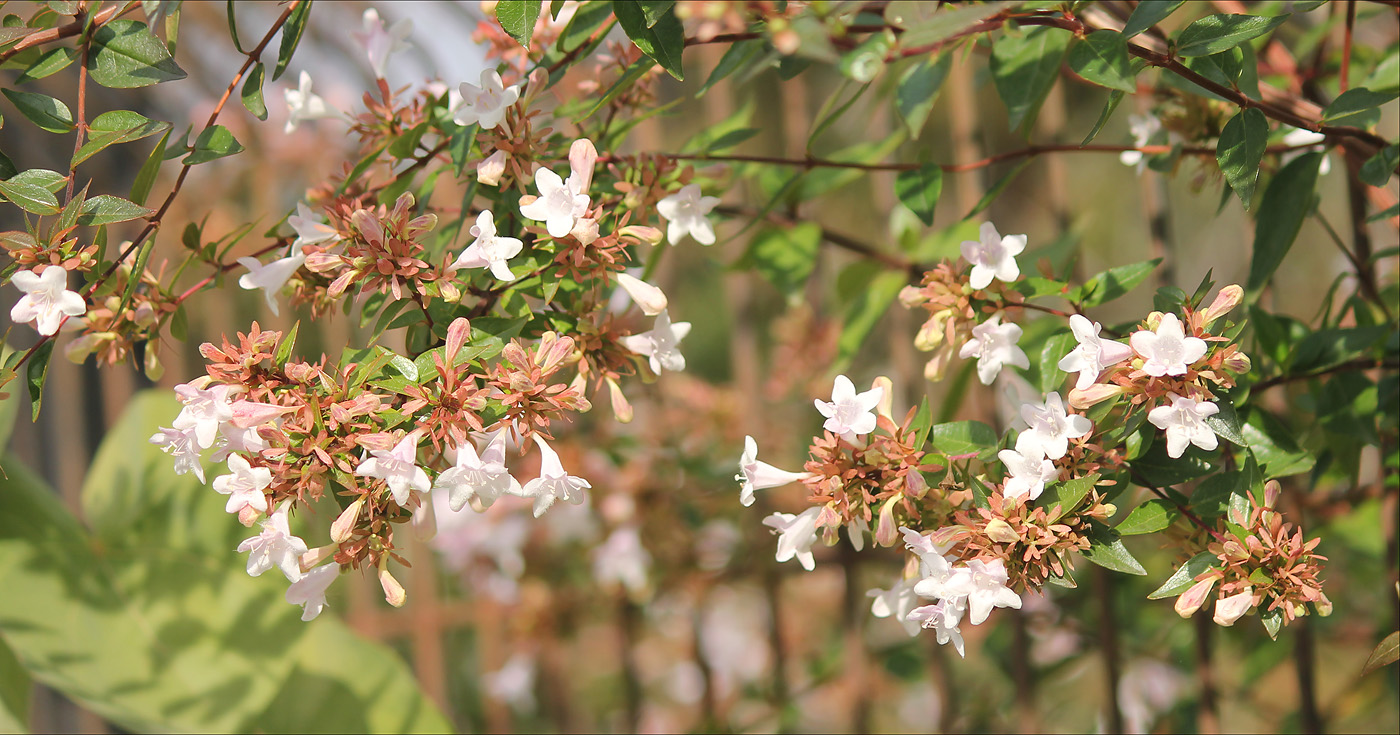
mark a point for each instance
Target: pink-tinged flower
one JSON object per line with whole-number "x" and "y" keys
{"x": 1183, "y": 420}
{"x": 758, "y": 475}
{"x": 942, "y": 618}
{"x": 398, "y": 467}
{"x": 553, "y": 483}
{"x": 1192, "y": 599}
{"x": 310, "y": 590}
{"x": 205, "y": 411}
{"x": 1093, "y": 354}
{"x": 379, "y": 43}
{"x": 1232, "y": 608}
{"x": 245, "y": 486}
{"x": 1050, "y": 428}
{"x": 647, "y": 296}
{"x": 183, "y": 446}
{"x": 849, "y": 414}
{"x": 46, "y": 300}
{"x": 491, "y": 168}
{"x": 685, "y": 212}
{"x": 989, "y": 590}
{"x": 941, "y": 580}
{"x": 798, "y": 533}
{"x": 1028, "y": 475}
{"x": 489, "y": 250}
{"x": 582, "y": 157}
{"x": 993, "y": 256}
{"x": 559, "y": 205}
{"x": 1167, "y": 351}
{"x": 922, "y": 546}
{"x": 310, "y": 227}
{"x": 235, "y": 439}
{"x": 994, "y": 346}
{"x": 270, "y": 277}
{"x": 482, "y": 478}
{"x": 661, "y": 344}
{"x": 275, "y": 547}
{"x": 896, "y": 602}
{"x": 486, "y": 105}
{"x": 302, "y": 104}
{"x": 622, "y": 560}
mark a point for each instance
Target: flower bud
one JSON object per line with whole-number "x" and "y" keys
{"x": 1271, "y": 492}
{"x": 1001, "y": 532}
{"x": 458, "y": 333}
{"x": 648, "y": 235}
{"x": 1228, "y": 298}
{"x": 647, "y": 296}
{"x": 1094, "y": 394}
{"x": 1232, "y": 608}
{"x": 424, "y": 520}
{"x": 622, "y": 410}
{"x": 1237, "y": 363}
{"x": 393, "y": 591}
{"x": 78, "y": 350}
{"x": 345, "y": 523}
{"x": 886, "y": 530}
{"x": 313, "y": 558}
{"x": 915, "y": 486}
{"x": 828, "y": 518}
{"x": 931, "y": 332}
{"x": 585, "y": 230}
{"x": 582, "y": 156}
{"x": 248, "y": 515}
{"x": 145, "y": 315}
{"x": 886, "y": 405}
{"x": 938, "y": 365}
{"x": 855, "y": 531}
{"x": 1322, "y": 604}
{"x": 491, "y": 168}
{"x": 1191, "y": 600}
{"x": 154, "y": 368}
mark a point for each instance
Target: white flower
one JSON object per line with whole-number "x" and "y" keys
{"x": 994, "y": 346}
{"x": 1142, "y": 127}
{"x": 484, "y": 478}
{"x": 1093, "y": 354}
{"x": 46, "y": 300}
{"x": 922, "y": 546}
{"x": 237, "y": 439}
{"x": 1232, "y": 608}
{"x": 647, "y": 296}
{"x": 553, "y": 483}
{"x": 205, "y": 411}
{"x": 1184, "y": 423}
{"x": 275, "y": 547}
{"x": 183, "y": 446}
{"x": 758, "y": 475}
{"x": 303, "y": 105}
{"x": 270, "y": 277}
{"x": 310, "y": 590}
{"x": 1167, "y": 351}
{"x": 245, "y": 486}
{"x": 993, "y": 256}
{"x": 1300, "y": 136}
{"x": 380, "y": 43}
{"x": 942, "y": 618}
{"x": 560, "y": 204}
{"x": 514, "y": 683}
{"x": 660, "y": 344}
{"x": 310, "y": 227}
{"x": 849, "y": 414}
{"x": 489, "y": 250}
{"x": 685, "y": 212}
{"x": 1050, "y": 428}
{"x": 897, "y": 602}
{"x": 1028, "y": 475}
{"x": 491, "y": 168}
{"x": 486, "y": 105}
{"x": 399, "y": 468}
{"x": 989, "y": 590}
{"x": 622, "y": 559}
{"x": 942, "y": 580}
{"x": 799, "y": 532}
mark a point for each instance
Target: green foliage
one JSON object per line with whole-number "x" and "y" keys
{"x": 1286, "y": 202}
{"x": 961, "y": 438}
{"x": 657, "y": 33}
{"x": 918, "y": 89}
{"x": 518, "y": 19}
{"x": 214, "y": 143}
{"x": 42, "y": 110}
{"x": 1024, "y": 68}
{"x": 1240, "y": 151}
{"x": 1102, "y": 58}
{"x": 919, "y": 188}
{"x": 1222, "y": 32}
{"x": 125, "y": 54}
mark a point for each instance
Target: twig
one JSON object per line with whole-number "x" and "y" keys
{"x": 1108, "y": 641}
{"x": 1207, "y": 713}
{"x": 1346, "y": 46}
{"x": 1360, "y": 363}
{"x": 49, "y": 35}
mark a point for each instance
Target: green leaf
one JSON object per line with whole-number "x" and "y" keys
{"x": 104, "y": 209}
{"x": 50, "y": 181}
{"x": 948, "y": 22}
{"x": 663, "y": 40}
{"x": 35, "y": 373}
{"x": 1272, "y": 620}
{"x": 634, "y": 72}
{"x": 146, "y": 177}
{"x": 919, "y": 189}
{"x": 961, "y": 438}
{"x": 233, "y": 27}
{"x": 581, "y": 27}
{"x": 112, "y": 128}
{"x": 1286, "y": 202}
{"x": 1102, "y": 58}
{"x": 1107, "y": 550}
{"x": 918, "y": 89}
{"x": 518, "y": 18}
{"x": 655, "y": 10}
{"x": 1055, "y": 349}
{"x": 1215, "y": 33}
{"x": 291, "y": 37}
{"x": 1152, "y": 516}
{"x": 1149, "y": 13}
{"x": 785, "y": 256}
{"x": 737, "y": 56}
{"x": 252, "y": 95}
{"x": 1113, "y": 283}
{"x": 42, "y": 110}
{"x": 50, "y": 62}
{"x": 1377, "y": 170}
{"x": 865, "y": 311}
{"x": 1273, "y": 446}
{"x": 1356, "y": 101}
{"x": 1240, "y": 151}
{"x": 1159, "y": 470}
{"x": 1185, "y": 576}
{"x": 212, "y": 144}
{"x": 1386, "y": 653}
{"x": 1024, "y": 68}
{"x": 1226, "y": 423}
{"x": 125, "y": 54}
{"x": 1063, "y": 498}
{"x": 15, "y": 690}
{"x": 831, "y": 111}
{"x": 30, "y": 198}
{"x": 1114, "y": 98}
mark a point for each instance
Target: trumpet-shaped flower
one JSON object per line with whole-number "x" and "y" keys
{"x": 486, "y": 105}
{"x": 798, "y": 533}
{"x": 758, "y": 475}
{"x": 482, "y": 477}
{"x": 942, "y": 618}
{"x": 1167, "y": 351}
{"x": 380, "y": 43}
{"x": 660, "y": 344}
{"x": 553, "y": 483}
{"x": 1093, "y": 354}
{"x": 183, "y": 446}
{"x": 46, "y": 300}
{"x": 649, "y": 297}
{"x": 310, "y": 227}
{"x": 205, "y": 411}
{"x": 270, "y": 277}
{"x": 1050, "y": 429}
{"x": 275, "y": 547}
{"x": 244, "y": 486}
{"x": 303, "y": 104}
{"x": 993, "y": 256}
{"x": 942, "y": 580}
{"x": 989, "y": 590}
{"x": 896, "y": 602}
{"x": 491, "y": 168}
{"x": 559, "y": 205}
{"x": 1300, "y": 136}
{"x": 1028, "y": 475}
{"x": 489, "y": 250}
{"x": 849, "y": 414}
{"x": 685, "y": 212}
{"x": 1183, "y": 420}
{"x": 398, "y": 467}
{"x": 310, "y": 590}
{"x": 1232, "y": 608}
{"x": 994, "y": 346}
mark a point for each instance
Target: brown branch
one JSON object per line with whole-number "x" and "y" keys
{"x": 49, "y": 35}
{"x": 845, "y": 242}
{"x": 1350, "y": 366}
{"x": 1346, "y": 46}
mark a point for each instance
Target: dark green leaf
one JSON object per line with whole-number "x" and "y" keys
{"x": 1055, "y": 349}
{"x": 1102, "y": 58}
{"x": 962, "y": 438}
{"x": 15, "y": 691}
{"x": 233, "y": 27}
{"x": 832, "y": 111}
{"x": 50, "y": 181}
{"x": 1241, "y": 149}
{"x": 1113, "y": 283}
{"x": 291, "y": 37}
{"x": 1286, "y": 202}
{"x": 1107, "y": 550}
{"x": 29, "y": 197}
{"x": 1272, "y": 620}
{"x": 252, "y": 95}
{"x": 1024, "y": 68}
{"x": 35, "y": 372}
{"x": 1159, "y": 470}
{"x": 663, "y": 41}
{"x": 1273, "y": 445}
{"x": 1185, "y": 576}
{"x": 1215, "y": 33}
{"x": 1150, "y": 517}
{"x": 1114, "y": 98}
{"x": 1386, "y": 653}
{"x": 146, "y": 177}
{"x": 1377, "y": 170}
{"x": 1063, "y": 498}
{"x": 1356, "y": 101}
{"x": 918, "y": 89}
{"x": 785, "y": 256}
{"x": 115, "y": 127}
{"x": 1328, "y": 348}
{"x": 1149, "y": 13}
{"x": 736, "y": 57}
{"x": 996, "y": 189}
{"x": 634, "y": 72}
{"x": 1226, "y": 423}
{"x": 518, "y": 18}
{"x": 42, "y": 110}
{"x": 212, "y": 144}
{"x": 585, "y": 21}
{"x": 50, "y": 62}
{"x": 655, "y": 10}
{"x": 125, "y": 54}
{"x": 948, "y": 22}
{"x": 104, "y": 209}
{"x": 919, "y": 189}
